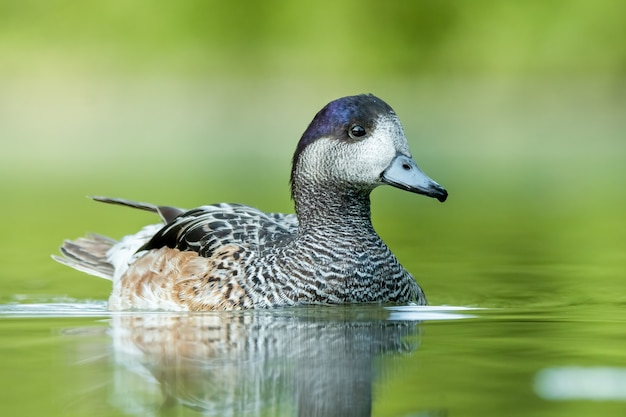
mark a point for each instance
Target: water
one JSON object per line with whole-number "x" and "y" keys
{"x": 75, "y": 358}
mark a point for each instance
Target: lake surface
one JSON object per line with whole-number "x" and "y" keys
{"x": 75, "y": 358}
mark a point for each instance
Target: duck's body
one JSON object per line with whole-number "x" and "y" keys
{"x": 230, "y": 256}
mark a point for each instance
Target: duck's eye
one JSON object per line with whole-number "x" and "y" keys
{"x": 356, "y": 131}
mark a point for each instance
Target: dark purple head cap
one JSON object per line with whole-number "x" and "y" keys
{"x": 334, "y": 120}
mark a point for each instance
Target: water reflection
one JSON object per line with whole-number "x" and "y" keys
{"x": 304, "y": 362}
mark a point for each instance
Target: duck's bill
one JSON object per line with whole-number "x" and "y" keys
{"x": 404, "y": 173}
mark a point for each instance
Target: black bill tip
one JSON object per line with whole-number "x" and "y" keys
{"x": 440, "y": 194}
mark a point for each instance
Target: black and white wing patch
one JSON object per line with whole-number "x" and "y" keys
{"x": 208, "y": 228}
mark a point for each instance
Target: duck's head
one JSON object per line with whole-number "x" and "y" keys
{"x": 358, "y": 143}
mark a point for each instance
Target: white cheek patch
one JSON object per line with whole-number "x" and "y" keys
{"x": 373, "y": 155}
{"x": 360, "y": 162}
{"x": 370, "y": 158}
{"x": 388, "y": 129}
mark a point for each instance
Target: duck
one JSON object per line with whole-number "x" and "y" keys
{"x": 234, "y": 257}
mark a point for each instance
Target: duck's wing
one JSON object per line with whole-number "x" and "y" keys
{"x": 208, "y": 228}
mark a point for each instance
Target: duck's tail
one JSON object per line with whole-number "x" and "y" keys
{"x": 88, "y": 254}
{"x": 96, "y": 254}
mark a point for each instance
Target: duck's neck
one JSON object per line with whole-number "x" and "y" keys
{"x": 327, "y": 208}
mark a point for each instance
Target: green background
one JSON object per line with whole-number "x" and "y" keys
{"x": 516, "y": 107}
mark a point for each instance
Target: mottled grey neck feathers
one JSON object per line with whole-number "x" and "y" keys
{"x": 318, "y": 205}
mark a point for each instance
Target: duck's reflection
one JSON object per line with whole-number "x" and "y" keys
{"x": 304, "y": 362}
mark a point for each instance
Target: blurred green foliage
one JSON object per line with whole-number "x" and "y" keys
{"x": 351, "y": 38}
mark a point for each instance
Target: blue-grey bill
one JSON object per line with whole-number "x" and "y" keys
{"x": 404, "y": 173}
